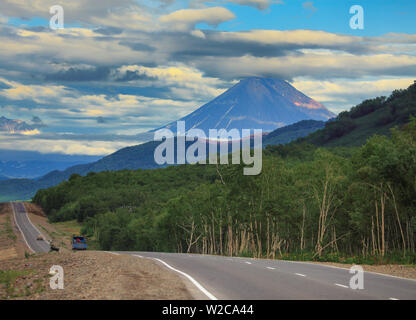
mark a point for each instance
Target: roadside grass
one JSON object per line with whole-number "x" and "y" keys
{"x": 8, "y": 230}
{"x": 93, "y": 244}
{"x": 66, "y": 229}
{"x": 8, "y": 283}
{"x": 54, "y": 235}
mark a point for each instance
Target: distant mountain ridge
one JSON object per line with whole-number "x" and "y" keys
{"x": 255, "y": 103}
{"x": 30, "y": 164}
{"x": 292, "y": 132}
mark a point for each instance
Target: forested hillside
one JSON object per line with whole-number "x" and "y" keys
{"x": 292, "y": 132}
{"x": 353, "y": 205}
{"x": 373, "y": 116}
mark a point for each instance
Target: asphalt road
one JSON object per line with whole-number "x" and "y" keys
{"x": 28, "y": 230}
{"x": 251, "y": 279}
{"x": 231, "y": 278}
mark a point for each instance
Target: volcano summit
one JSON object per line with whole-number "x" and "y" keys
{"x": 256, "y": 103}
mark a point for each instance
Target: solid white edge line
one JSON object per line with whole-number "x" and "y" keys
{"x": 247, "y": 262}
{"x": 393, "y": 299}
{"x": 335, "y": 267}
{"x": 115, "y": 253}
{"x": 341, "y": 285}
{"x": 138, "y": 256}
{"x": 270, "y": 268}
{"x": 18, "y": 227}
{"x": 196, "y": 283}
{"x": 300, "y": 274}
{"x": 28, "y": 218}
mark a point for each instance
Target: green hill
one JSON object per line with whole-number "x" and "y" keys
{"x": 292, "y": 132}
{"x": 373, "y": 116}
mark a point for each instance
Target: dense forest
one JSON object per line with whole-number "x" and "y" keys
{"x": 350, "y": 204}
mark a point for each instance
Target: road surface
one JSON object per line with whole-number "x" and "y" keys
{"x": 28, "y": 230}
{"x": 251, "y": 279}
{"x": 232, "y": 278}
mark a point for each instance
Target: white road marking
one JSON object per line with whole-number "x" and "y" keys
{"x": 393, "y": 299}
{"x": 115, "y": 253}
{"x": 300, "y": 274}
{"x": 341, "y": 285}
{"x": 18, "y": 227}
{"x": 28, "y": 218}
{"x": 270, "y": 268}
{"x": 196, "y": 283}
{"x": 334, "y": 267}
{"x": 137, "y": 255}
{"x": 248, "y": 262}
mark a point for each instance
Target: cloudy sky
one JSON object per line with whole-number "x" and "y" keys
{"x": 122, "y": 67}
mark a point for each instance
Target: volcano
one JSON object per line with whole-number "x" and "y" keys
{"x": 255, "y": 103}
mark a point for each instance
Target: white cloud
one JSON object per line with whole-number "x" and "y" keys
{"x": 339, "y": 94}
{"x": 70, "y": 147}
{"x": 74, "y": 10}
{"x": 184, "y": 82}
{"x": 298, "y": 37}
{"x": 198, "y": 33}
{"x": 69, "y": 45}
{"x": 37, "y": 93}
{"x": 65, "y": 102}
{"x": 186, "y": 19}
{"x": 259, "y": 4}
{"x": 317, "y": 64}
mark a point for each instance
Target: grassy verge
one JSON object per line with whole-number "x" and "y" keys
{"x": 8, "y": 230}
{"x": 8, "y": 279}
{"x": 69, "y": 228}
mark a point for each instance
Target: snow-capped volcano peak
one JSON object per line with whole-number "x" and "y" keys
{"x": 256, "y": 103}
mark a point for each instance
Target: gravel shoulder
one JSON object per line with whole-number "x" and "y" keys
{"x": 90, "y": 275}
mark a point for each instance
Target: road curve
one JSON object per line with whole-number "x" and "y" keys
{"x": 28, "y": 230}
{"x": 228, "y": 278}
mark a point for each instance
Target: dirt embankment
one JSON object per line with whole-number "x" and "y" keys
{"x": 87, "y": 274}
{"x": 90, "y": 275}
{"x": 12, "y": 244}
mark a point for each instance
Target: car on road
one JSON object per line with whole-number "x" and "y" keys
{"x": 79, "y": 243}
{"x": 39, "y": 237}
